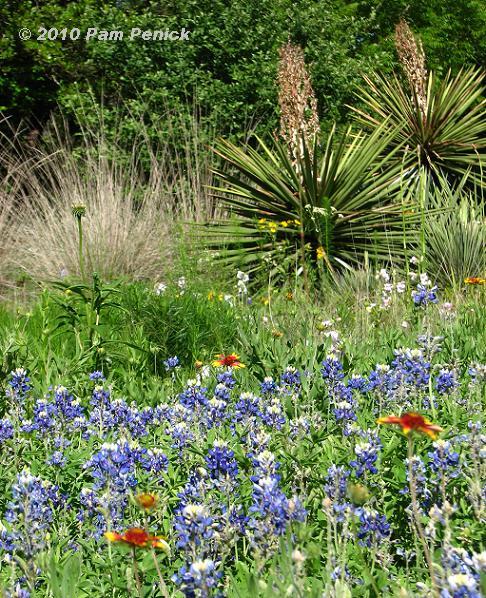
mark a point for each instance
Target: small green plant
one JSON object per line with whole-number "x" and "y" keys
{"x": 82, "y": 306}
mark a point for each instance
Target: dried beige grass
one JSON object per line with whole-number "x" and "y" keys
{"x": 133, "y": 223}
{"x": 7, "y": 232}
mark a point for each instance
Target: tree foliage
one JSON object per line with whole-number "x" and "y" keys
{"x": 230, "y": 62}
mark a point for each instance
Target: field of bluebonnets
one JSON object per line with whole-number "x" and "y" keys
{"x": 294, "y": 407}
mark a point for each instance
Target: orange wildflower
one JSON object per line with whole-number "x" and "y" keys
{"x": 146, "y": 501}
{"x": 474, "y": 280}
{"x": 138, "y": 538}
{"x": 412, "y": 422}
{"x": 230, "y": 361}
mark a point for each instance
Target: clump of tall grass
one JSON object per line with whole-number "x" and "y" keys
{"x": 134, "y": 214}
{"x": 455, "y": 236}
{"x": 6, "y": 237}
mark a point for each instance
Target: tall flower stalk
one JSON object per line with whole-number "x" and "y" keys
{"x": 299, "y": 122}
{"x": 411, "y": 423}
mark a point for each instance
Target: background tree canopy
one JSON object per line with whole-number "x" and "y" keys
{"x": 228, "y": 66}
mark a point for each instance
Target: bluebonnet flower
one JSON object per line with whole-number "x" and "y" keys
{"x": 461, "y": 585}
{"x": 19, "y": 384}
{"x": 339, "y": 573}
{"x": 221, "y": 461}
{"x": 430, "y": 344}
{"x": 246, "y": 407}
{"x": 227, "y": 379}
{"x": 419, "y": 475}
{"x": 423, "y": 295}
{"x": 6, "y": 429}
{"x": 68, "y": 408}
{"x": 57, "y": 459}
{"x": 272, "y": 415}
{"x": 445, "y": 381}
{"x": 7, "y": 542}
{"x": 155, "y": 461}
{"x": 171, "y": 363}
{"x": 366, "y": 456}
{"x": 443, "y": 460}
{"x": 113, "y": 469}
{"x": 477, "y": 371}
{"x": 271, "y": 512}
{"x": 31, "y": 512}
{"x": 109, "y": 414}
{"x": 198, "y": 579}
{"x": 411, "y": 367}
{"x": 380, "y": 379}
{"x": 44, "y": 417}
{"x": 342, "y": 511}
{"x": 238, "y": 519}
{"x": 341, "y": 392}
{"x": 100, "y": 396}
{"x": 268, "y": 386}
{"x": 194, "y": 527}
{"x": 97, "y": 375}
{"x": 195, "y": 488}
{"x": 181, "y": 434}
{"x": 336, "y": 483}
{"x": 222, "y": 392}
{"x": 216, "y": 412}
{"x": 114, "y": 465}
{"x": 299, "y": 427}
{"x": 332, "y": 370}
{"x": 194, "y": 394}
{"x": 258, "y": 439}
{"x": 462, "y": 573}
{"x": 265, "y": 464}
{"x": 91, "y": 511}
{"x": 373, "y": 527}
{"x": 357, "y": 383}
{"x": 290, "y": 379}
{"x": 344, "y": 411}
{"x": 18, "y": 592}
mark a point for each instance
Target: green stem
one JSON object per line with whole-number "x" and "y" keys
{"x": 162, "y": 586}
{"x": 80, "y": 237}
{"x": 135, "y": 573}
{"x": 416, "y": 516}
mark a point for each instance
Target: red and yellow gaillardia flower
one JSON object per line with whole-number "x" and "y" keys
{"x": 138, "y": 538}
{"x": 146, "y": 500}
{"x": 412, "y": 422}
{"x": 230, "y": 361}
{"x": 475, "y": 280}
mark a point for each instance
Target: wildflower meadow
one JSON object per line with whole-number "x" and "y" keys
{"x": 247, "y": 365}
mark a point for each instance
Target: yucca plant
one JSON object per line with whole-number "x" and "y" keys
{"x": 440, "y": 126}
{"x": 330, "y": 205}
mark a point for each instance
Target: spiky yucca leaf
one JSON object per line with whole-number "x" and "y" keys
{"x": 446, "y": 137}
{"x": 337, "y": 202}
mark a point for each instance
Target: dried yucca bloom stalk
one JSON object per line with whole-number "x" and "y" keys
{"x": 412, "y": 57}
{"x": 297, "y": 101}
